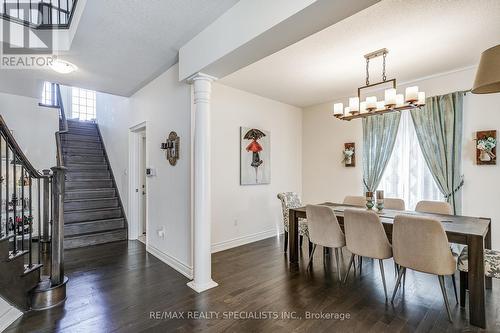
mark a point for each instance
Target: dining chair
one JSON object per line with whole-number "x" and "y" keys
{"x": 434, "y": 207}
{"x": 353, "y": 200}
{"x": 292, "y": 200}
{"x": 491, "y": 269}
{"x": 394, "y": 204}
{"x": 324, "y": 230}
{"x": 366, "y": 237}
{"x": 421, "y": 244}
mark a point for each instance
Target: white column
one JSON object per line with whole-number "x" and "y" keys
{"x": 202, "y": 265}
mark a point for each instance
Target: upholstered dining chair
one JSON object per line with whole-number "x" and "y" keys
{"x": 394, "y": 204}
{"x": 366, "y": 237}
{"x": 353, "y": 200}
{"x": 421, "y": 244}
{"x": 434, "y": 207}
{"x": 491, "y": 269}
{"x": 324, "y": 230}
{"x": 292, "y": 200}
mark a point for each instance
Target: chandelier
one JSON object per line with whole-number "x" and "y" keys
{"x": 412, "y": 99}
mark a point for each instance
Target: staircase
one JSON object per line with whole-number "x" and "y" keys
{"x": 17, "y": 278}
{"x": 93, "y": 213}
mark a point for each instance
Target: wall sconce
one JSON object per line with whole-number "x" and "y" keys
{"x": 172, "y": 147}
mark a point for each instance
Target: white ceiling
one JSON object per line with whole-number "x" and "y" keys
{"x": 424, "y": 37}
{"x": 120, "y": 45}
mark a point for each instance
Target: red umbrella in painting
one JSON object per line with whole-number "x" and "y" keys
{"x": 254, "y": 147}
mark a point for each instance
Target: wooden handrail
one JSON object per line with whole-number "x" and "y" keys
{"x": 18, "y": 153}
{"x": 63, "y": 127}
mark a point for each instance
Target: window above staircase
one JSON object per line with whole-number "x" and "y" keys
{"x": 39, "y": 14}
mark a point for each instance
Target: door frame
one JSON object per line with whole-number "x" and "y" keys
{"x": 136, "y": 134}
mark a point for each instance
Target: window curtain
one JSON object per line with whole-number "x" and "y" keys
{"x": 407, "y": 175}
{"x": 439, "y": 127}
{"x": 379, "y": 136}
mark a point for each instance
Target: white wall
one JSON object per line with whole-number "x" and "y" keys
{"x": 326, "y": 179}
{"x": 33, "y": 128}
{"x": 165, "y": 105}
{"x": 242, "y": 214}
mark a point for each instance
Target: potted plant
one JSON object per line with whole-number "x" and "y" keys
{"x": 486, "y": 146}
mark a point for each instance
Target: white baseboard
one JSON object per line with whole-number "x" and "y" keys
{"x": 171, "y": 261}
{"x": 8, "y": 315}
{"x": 238, "y": 241}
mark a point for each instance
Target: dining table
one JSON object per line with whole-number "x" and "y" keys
{"x": 475, "y": 232}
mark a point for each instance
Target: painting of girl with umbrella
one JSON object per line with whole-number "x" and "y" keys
{"x": 255, "y": 156}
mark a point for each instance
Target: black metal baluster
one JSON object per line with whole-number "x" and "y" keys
{"x": 67, "y": 12}
{"x": 14, "y": 199}
{"x": 6, "y": 187}
{"x": 22, "y": 207}
{"x": 58, "y": 11}
{"x": 1, "y": 192}
{"x": 30, "y": 222}
{"x": 39, "y": 224}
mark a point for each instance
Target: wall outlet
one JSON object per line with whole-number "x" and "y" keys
{"x": 162, "y": 233}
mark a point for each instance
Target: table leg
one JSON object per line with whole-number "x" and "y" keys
{"x": 487, "y": 245}
{"x": 476, "y": 281}
{"x": 293, "y": 237}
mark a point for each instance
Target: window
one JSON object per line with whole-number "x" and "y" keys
{"x": 407, "y": 175}
{"x": 49, "y": 94}
{"x": 83, "y": 104}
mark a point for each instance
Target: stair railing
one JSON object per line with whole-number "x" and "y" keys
{"x": 39, "y": 14}
{"x": 19, "y": 208}
{"x": 21, "y": 205}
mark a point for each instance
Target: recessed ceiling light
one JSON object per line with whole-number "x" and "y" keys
{"x": 63, "y": 67}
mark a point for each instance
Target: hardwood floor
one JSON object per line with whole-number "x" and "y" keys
{"x": 116, "y": 287}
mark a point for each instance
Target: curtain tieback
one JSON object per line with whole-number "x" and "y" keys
{"x": 447, "y": 196}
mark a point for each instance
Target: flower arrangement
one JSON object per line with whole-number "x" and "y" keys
{"x": 348, "y": 153}
{"x": 486, "y": 146}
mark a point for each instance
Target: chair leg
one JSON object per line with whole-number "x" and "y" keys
{"x": 454, "y": 286}
{"x": 351, "y": 261}
{"x": 286, "y": 241}
{"x": 381, "y": 262}
{"x": 337, "y": 262}
{"x": 301, "y": 238}
{"x": 398, "y": 282}
{"x": 310, "y": 247}
{"x": 445, "y": 297}
{"x": 311, "y": 256}
{"x": 360, "y": 264}
{"x": 404, "y": 278}
{"x": 463, "y": 288}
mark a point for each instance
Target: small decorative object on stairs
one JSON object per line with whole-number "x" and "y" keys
{"x": 349, "y": 155}
{"x": 486, "y": 148}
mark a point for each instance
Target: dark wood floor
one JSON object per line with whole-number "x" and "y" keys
{"x": 115, "y": 287}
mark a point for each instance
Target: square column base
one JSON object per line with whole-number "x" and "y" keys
{"x": 201, "y": 288}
